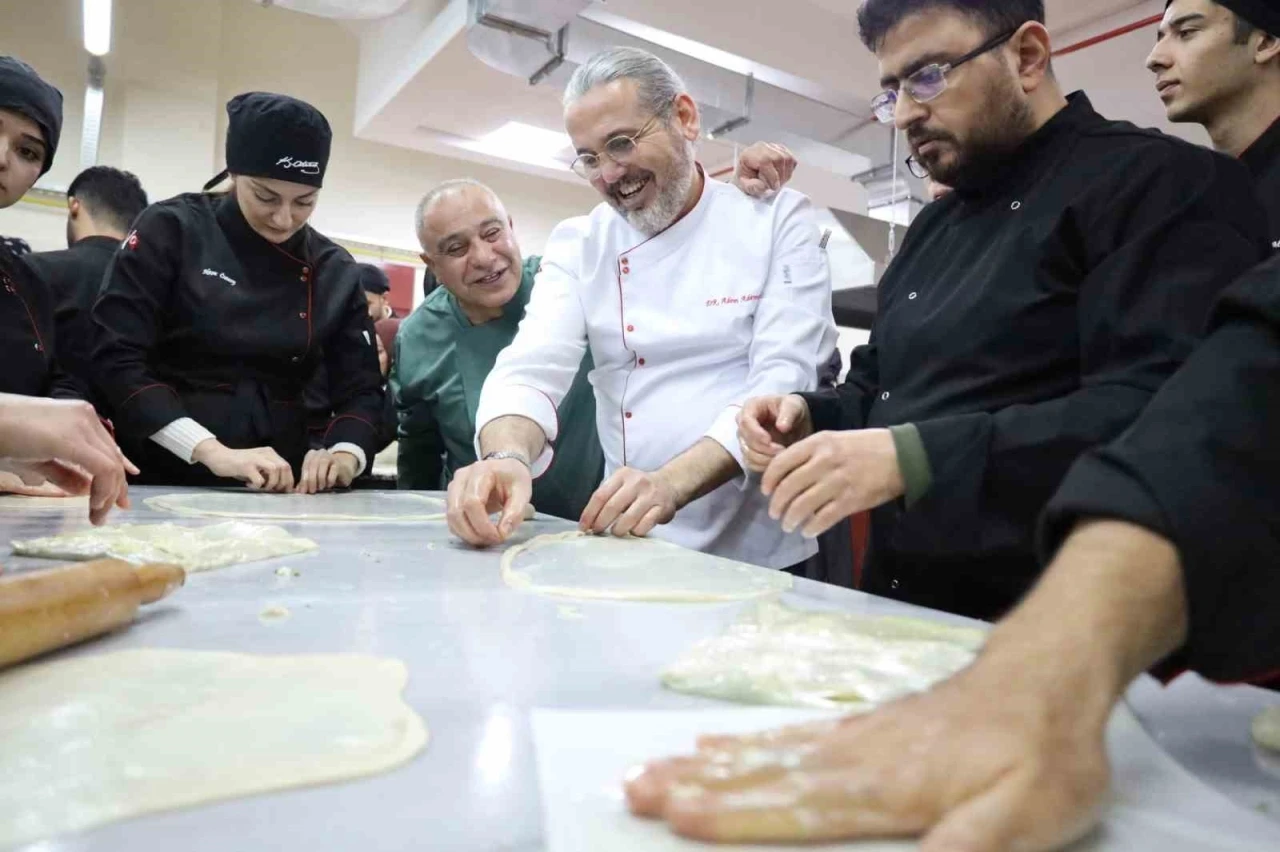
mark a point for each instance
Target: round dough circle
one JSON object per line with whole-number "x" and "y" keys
{"x": 112, "y": 736}
{"x": 1266, "y": 729}
{"x": 588, "y": 567}
{"x": 354, "y": 506}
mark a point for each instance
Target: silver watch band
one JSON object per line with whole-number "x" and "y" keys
{"x": 498, "y": 456}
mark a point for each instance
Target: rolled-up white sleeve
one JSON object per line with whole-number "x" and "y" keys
{"x": 532, "y": 375}
{"x": 793, "y": 333}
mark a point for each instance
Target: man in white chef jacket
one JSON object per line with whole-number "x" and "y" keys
{"x": 692, "y": 298}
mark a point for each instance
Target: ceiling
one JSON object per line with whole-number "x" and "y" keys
{"x": 422, "y": 86}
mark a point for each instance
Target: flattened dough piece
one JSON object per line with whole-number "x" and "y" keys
{"x": 779, "y": 655}
{"x": 1266, "y": 729}
{"x": 21, "y": 503}
{"x": 351, "y": 506}
{"x": 91, "y": 740}
{"x": 194, "y": 548}
{"x": 580, "y": 566}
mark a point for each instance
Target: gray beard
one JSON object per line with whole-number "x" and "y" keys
{"x": 662, "y": 213}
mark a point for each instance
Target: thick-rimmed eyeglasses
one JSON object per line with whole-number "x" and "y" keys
{"x": 928, "y": 82}
{"x": 619, "y": 149}
{"x": 917, "y": 168}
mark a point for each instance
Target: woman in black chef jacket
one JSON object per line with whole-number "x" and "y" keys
{"x": 30, "y": 124}
{"x": 217, "y": 309}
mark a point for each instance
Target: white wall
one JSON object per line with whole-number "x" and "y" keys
{"x": 175, "y": 63}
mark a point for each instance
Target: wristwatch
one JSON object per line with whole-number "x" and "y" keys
{"x": 499, "y": 456}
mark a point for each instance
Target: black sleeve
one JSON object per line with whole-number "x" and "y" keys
{"x": 1159, "y": 251}
{"x": 59, "y": 383}
{"x": 127, "y": 323}
{"x": 1201, "y": 467}
{"x": 355, "y": 380}
{"x": 847, "y": 406}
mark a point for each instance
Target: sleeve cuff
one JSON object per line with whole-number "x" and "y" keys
{"x": 521, "y": 401}
{"x": 913, "y": 461}
{"x": 724, "y": 431}
{"x": 346, "y": 447}
{"x": 181, "y": 437}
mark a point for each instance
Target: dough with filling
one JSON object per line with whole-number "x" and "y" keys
{"x": 94, "y": 739}
{"x": 576, "y": 565}
{"x": 349, "y": 506}
{"x": 1266, "y": 729}
{"x": 779, "y": 655}
{"x": 194, "y": 548}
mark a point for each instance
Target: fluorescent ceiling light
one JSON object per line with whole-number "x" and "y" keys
{"x": 516, "y": 140}
{"x": 97, "y": 27}
{"x": 92, "y": 127}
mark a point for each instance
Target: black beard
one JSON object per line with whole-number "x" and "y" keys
{"x": 981, "y": 158}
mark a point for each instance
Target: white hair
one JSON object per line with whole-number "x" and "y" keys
{"x": 420, "y": 216}
{"x": 658, "y": 84}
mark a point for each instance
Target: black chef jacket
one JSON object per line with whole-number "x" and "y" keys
{"x": 1263, "y": 159}
{"x": 1022, "y": 325}
{"x": 27, "y": 331}
{"x": 201, "y": 317}
{"x": 1201, "y": 467}
{"x": 75, "y": 276}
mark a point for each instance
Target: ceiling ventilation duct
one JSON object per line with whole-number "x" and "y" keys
{"x": 349, "y": 10}
{"x": 527, "y": 38}
{"x": 542, "y": 41}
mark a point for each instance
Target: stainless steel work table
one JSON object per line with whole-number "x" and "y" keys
{"x": 480, "y": 657}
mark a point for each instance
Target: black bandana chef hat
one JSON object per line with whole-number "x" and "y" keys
{"x": 24, "y": 91}
{"x": 373, "y": 279}
{"x": 1263, "y": 14}
{"x": 276, "y": 137}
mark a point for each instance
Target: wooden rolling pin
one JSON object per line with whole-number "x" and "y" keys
{"x": 44, "y": 610}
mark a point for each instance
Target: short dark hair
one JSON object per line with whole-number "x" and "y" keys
{"x": 1244, "y": 29}
{"x": 877, "y": 17}
{"x": 114, "y": 197}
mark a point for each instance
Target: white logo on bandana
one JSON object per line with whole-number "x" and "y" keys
{"x": 307, "y": 167}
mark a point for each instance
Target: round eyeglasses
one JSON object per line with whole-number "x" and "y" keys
{"x": 927, "y": 83}
{"x": 619, "y": 150}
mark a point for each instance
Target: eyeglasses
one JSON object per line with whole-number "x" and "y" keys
{"x": 619, "y": 149}
{"x": 928, "y": 82}
{"x": 917, "y": 168}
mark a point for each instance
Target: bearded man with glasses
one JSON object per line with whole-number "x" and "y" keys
{"x": 689, "y": 296}
{"x": 1030, "y": 315}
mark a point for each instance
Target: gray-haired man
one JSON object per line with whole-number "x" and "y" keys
{"x": 689, "y": 296}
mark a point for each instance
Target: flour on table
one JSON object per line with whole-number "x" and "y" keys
{"x": 352, "y": 506}
{"x": 1266, "y": 729}
{"x": 575, "y": 565}
{"x": 94, "y": 739}
{"x": 779, "y": 655}
{"x": 194, "y": 548}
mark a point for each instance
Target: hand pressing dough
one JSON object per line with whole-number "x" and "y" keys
{"x": 351, "y": 506}
{"x": 779, "y": 655}
{"x": 194, "y": 548}
{"x": 580, "y": 566}
{"x": 91, "y": 740}
{"x": 1266, "y": 729}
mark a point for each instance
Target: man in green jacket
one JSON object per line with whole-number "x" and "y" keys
{"x": 447, "y": 347}
{"x": 445, "y": 350}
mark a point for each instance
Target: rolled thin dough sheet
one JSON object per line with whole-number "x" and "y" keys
{"x": 575, "y": 565}
{"x": 784, "y": 656}
{"x": 582, "y": 757}
{"x": 351, "y": 506}
{"x": 20, "y": 502}
{"x": 194, "y": 548}
{"x": 90, "y": 740}
{"x": 1266, "y": 729}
